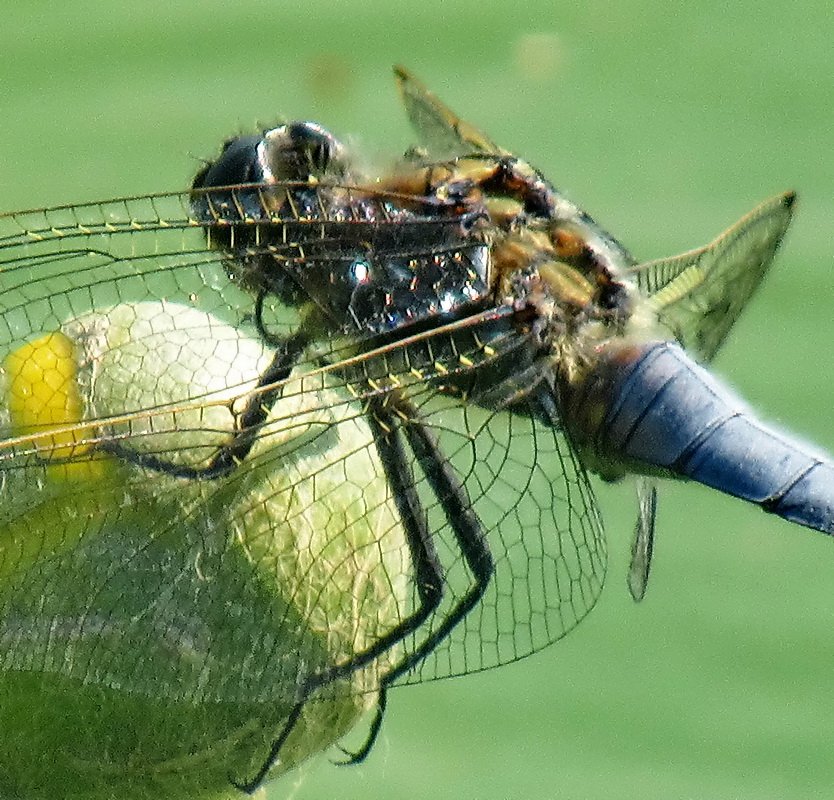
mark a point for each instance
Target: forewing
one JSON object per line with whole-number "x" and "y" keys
{"x": 540, "y": 521}
{"x": 371, "y": 261}
{"x": 439, "y": 129}
{"x": 700, "y": 294}
{"x": 118, "y": 326}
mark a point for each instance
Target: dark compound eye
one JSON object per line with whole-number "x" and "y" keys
{"x": 238, "y": 163}
{"x": 290, "y": 152}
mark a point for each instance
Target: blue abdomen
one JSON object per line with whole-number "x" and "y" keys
{"x": 667, "y": 414}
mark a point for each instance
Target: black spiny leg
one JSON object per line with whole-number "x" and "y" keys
{"x": 252, "y": 785}
{"x": 248, "y": 423}
{"x": 427, "y": 577}
{"x": 469, "y": 536}
{"x": 266, "y": 335}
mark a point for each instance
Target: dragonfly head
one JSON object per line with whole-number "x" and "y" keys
{"x": 292, "y": 152}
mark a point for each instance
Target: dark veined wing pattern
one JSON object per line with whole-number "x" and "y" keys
{"x": 240, "y": 587}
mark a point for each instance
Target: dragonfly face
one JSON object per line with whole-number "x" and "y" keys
{"x": 356, "y": 412}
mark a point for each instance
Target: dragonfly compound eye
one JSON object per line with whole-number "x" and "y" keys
{"x": 300, "y": 149}
{"x": 238, "y": 163}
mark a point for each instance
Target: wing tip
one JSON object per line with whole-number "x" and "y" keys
{"x": 401, "y": 74}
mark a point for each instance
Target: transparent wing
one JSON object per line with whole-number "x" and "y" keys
{"x": 700, "y": 294}
{"x": 353, "y": 252}
{"x": 539, "y": 517}
{"x": 642, "y": 547}
{"x": 438, "y": 127}
{"x": 122, "y": 333}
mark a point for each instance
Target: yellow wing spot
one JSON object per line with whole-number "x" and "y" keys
{"x": 464, "y": 360}
{"x": 683, "y": 284}
{"x": 489, "y": 351}
{"x": 440, "y": 368}
{"x": 43, "y": 395}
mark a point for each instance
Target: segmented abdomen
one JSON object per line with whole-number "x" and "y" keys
{"x": 668, "y": 412}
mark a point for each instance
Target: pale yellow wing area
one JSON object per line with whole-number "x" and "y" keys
{"x": 699, "y": 294}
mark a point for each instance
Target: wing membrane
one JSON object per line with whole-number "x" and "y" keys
{"x": 700, "y": 294}
{"x": 642, "y": 547}
{"x": 439, "y": 128}
{"x": 540, "y": 521}
{"x": 301, "y": 545}
{"x": 70, "y": 259}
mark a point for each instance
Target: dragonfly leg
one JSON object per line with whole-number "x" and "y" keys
{"x": 451, "y": 494}
{"x": 425, "y": 563}
{"x": 252, "y": 785}
{"x": 428, "y": 573}
{"x": 358, "y": 756}
{"x": 466, "y": 526}
{"x": 388, "y": 426}
{"x": 272, "y": 339}
{"x": 248, "y": 423}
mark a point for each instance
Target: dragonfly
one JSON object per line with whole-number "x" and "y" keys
{"x": 304, "y": 432}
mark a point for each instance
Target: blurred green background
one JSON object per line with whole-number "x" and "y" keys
{"x": 666, "y": 121}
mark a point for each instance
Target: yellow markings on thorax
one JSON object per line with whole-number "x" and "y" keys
{"x": 566, "y": 284}
{"x": 43, "y": 396}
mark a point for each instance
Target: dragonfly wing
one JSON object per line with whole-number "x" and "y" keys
{"x": 381, "y": 286}
{"x": 369, "y": 260}
{"x": 437, "y": 126}
{"x": 120, "y": 582}
{"x": 700, "y": 294}
{"x": 120, "y": 325}
{"x": 642, "y": 548}
{"x": 539, "y": 518}
{"x": 140, "y": 340}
